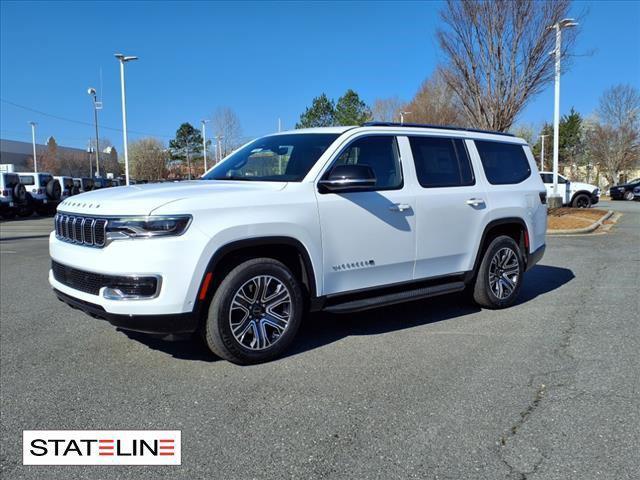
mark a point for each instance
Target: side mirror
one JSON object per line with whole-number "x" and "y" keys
{"x": 348, "y": 178}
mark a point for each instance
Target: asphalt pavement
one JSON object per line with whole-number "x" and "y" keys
{"x": 548, "y": 389}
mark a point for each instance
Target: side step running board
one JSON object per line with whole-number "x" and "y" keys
{"x": 398, "y": 297}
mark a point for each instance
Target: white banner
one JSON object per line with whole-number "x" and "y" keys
{"x": 101, "y": 447}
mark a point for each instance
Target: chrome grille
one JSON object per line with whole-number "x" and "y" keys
{"x": 81, "y": 230}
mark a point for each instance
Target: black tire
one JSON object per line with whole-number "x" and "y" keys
{"x": 483, "y": 293}
{"x": 25, "y": 211}
{"x": 628, "y": 195}
{"x": 218, "y": 332}
{"x": 19, "y": 193}
{"x": 9, "y": 214}
{"x": 53, "y": 189}
{"x": 582, "y": 200}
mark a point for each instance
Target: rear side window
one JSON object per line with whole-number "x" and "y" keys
{"x": 381, "y": 154}
{"x": 503, "y": 163}
{"x": 11, "y": 180}
{"x": 27, "y": 180}
{"x": 44, "y": 179}
{"x": 441, "y": 162}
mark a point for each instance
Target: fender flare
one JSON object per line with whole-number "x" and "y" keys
{"x": 228, "y": 248}
{"x": 488, "y": 227}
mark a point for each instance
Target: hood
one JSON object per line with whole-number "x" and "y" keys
{"x": 143, "y": 199}
{"x": 575, "y": 186}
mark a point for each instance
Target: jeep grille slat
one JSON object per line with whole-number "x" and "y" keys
{"x": 81, "y": 230}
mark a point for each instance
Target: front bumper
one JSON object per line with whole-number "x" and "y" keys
{"x": 177, "y": 323}
{"x": 176, "y": 261}
{"x": 594, "y": 199}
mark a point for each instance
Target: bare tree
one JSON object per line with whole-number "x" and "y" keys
{"x": 620, "y": 106}
{"x": 387, "y": 109}
{"x": 435, "y": 103}
{"x": 226, "y": 125}
{"x": 148, "y": 157}
{"x": 614, "y": 141}
{"x": 498, "y": 55}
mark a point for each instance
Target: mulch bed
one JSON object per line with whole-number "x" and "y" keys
{"x": 572, "y": 218}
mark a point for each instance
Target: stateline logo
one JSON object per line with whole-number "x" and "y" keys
{"x": 101, "y": 447}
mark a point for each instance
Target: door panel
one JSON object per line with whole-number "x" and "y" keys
{"x": 368, "y": 237}
{"x": 448, "y": 217}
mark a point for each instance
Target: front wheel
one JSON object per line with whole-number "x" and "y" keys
{"x": 581, "y": 201}
{"x": 499, "y": 277}
{"x": 255, "y": 312}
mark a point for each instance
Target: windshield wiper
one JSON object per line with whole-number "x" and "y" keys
{"x": 234, "y": 177}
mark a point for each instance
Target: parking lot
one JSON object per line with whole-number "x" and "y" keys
{"x": 433, "y": 389}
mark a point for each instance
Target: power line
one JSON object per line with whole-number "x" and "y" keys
{"x": 79, "y": 122}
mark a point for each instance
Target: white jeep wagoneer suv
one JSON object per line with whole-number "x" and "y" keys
{"x": 337, "y": 219}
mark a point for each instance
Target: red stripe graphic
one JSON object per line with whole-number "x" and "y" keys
{"x": 106, "y": 441}
{"x": 166, "y": 453}
{"x": 166, "y": 440}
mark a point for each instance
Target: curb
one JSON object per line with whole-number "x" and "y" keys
{"x": 588, "y": 229}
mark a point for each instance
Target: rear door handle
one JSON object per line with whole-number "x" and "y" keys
{"x": 399, "y": 207}
{"x": 475, "y": 202}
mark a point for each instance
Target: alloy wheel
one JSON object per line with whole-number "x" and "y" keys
{"x": 260, "y": 312}
{"x": 504, "y": 273}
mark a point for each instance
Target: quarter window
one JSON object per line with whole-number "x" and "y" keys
{"x": 381, "y": 154}
{"x": 27, "y": 180}
{"x": 441, "y": 162}
{"x": 503, "y": 163}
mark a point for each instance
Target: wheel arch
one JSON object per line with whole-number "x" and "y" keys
{"x": 288, "y": 250}
{"x": 514, "y": 227}
{"x": 579, "y": 192}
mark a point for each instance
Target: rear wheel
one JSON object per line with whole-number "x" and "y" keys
{"x": 499, "y": 277}
{"x": 628, "y": 195}
{"x": 581, "y": 201}
{"x": 255, "y": 312}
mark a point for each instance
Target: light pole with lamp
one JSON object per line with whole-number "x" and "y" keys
{"x": 33, "y": 141}
{"x": 402, "y": 114}
{"x": 555, "y": 200}
{"x": 124, "y": 59}
{"x": 96, "y": 106}
{"x": 204, "y": 142}
{"x": 542, "y": 137}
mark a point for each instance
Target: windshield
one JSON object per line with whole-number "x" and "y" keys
{"x": 277, "y": 158}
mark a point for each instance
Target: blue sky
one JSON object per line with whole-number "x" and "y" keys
{"x": 265, "y": 60}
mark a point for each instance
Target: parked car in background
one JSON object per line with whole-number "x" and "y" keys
{"x": 43, "y": 193}
{"x": 340, "y": 219}
{"x": 101, "y": 183}
{"x": 625, "y": 191}
{"x": 574, "y": 194}
{"x": 12, "y": 194}
{"x": 84, "y": 184}
{"x": 636, "y": 193}
{"x": 67, "y": 187}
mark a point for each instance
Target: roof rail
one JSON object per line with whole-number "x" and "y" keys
{"x": 438, "y": 127}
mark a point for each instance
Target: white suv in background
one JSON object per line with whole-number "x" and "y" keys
{"x": 337, "y": 219}
{"x": 12, "y": 194}
{"x": 43, "y": 193}
{"x": 574, "y": 194}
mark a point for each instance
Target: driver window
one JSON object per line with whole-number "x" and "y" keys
{"x": 381, "y": 154}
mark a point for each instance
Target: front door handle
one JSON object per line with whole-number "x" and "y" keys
{"x": 475, "y": 202}
{"x": 399, "y": 207}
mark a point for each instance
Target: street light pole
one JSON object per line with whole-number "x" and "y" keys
{"x": 33, "y": 141}
{"x": 402, "y": 114}
{"x": 204, "y": 142}
{"x": 567, "y": 22}
{"x": 542, "y": 137}
{"x": 123, "y": 59}
{"x": 92, "y": 93}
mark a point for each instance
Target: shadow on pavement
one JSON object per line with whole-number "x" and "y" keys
{"x": 321, "y": 329}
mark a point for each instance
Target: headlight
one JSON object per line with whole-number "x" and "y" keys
{"x": 147, "y": 227}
